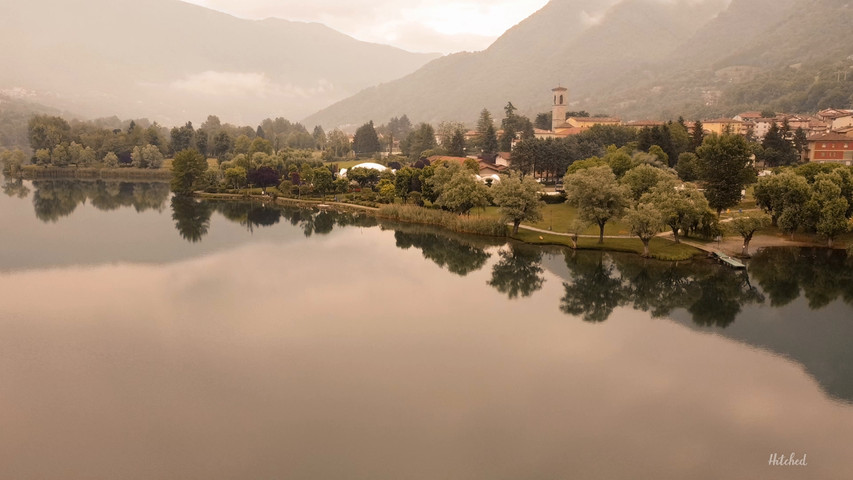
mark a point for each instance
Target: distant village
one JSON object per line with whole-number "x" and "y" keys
{"x": 828, "y": 134}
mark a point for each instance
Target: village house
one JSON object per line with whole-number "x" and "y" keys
{"x": 836, "y": 118}
{"x": 503, "y": 158}
{"x": 641, "y": 124}
{"x": 586, "y": 122}
{"x": 831, "y": 147}
{"x": 486, "y": 169}
{"x": 725, "y": 125}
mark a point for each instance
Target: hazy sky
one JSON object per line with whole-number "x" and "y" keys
{"x": 420, "y": 26}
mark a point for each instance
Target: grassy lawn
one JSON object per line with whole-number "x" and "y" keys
{"x": 659, "y": 248}
{"x": 558, "y": 217}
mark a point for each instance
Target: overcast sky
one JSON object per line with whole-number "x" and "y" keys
{"x": 444, "y": 26}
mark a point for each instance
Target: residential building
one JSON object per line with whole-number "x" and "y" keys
{"x": 725, "y": 125}
{"x": 831, "y": 147}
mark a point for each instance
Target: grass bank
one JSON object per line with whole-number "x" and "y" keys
{"x": 558, "y": 217}
{"x": 35, "y": 172}
{"x": 451, "y": 221}
{"x": 659, "y": 248}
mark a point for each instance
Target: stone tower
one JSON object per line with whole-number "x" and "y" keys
{"x": 558, "y": 111}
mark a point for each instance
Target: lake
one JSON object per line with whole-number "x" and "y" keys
{"x": 145, "y": 337}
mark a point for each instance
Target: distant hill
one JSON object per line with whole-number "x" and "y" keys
{"x": 15, "y": 112}
{"x": 632, "y": 58}
{"x": 172, "y": 62}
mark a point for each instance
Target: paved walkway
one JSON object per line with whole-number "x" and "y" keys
{"x": 534, "y": 229}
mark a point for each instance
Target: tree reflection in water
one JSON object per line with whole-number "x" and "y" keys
{"x": 459, "y": 257}
{"x": 519, "y": 271}
{"x": 820, "y": 275}
{"x": 54, "y": 199}
{"x": 596, "y": 287}
{"x": 192, "y": 217}
{"x": 14, "y": 187}
{"x": 600, "y": 282}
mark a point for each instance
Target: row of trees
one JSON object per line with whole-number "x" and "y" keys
{"x": 648, "y": 195}
{"x": 57, "y": 142}
{"x": 419, "y": 141}
{"x": 811, "y": 198}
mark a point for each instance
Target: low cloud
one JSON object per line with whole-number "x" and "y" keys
{"x": 445, "y": 26}
{"x": 246, "y": 84}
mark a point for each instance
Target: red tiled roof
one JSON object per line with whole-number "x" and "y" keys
{"x": 750, "y": 115}
{"x": 721, "y": 120}
{"x": 595, "y": 119}
{"x": 644, "y": 123}
{"x": 829, "y": 137}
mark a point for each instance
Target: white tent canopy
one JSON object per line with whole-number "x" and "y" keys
{"x": 371, "y": 165}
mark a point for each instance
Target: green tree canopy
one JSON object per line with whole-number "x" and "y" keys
{"x": 597, "y": 195}
{"x": 518, "y": 199}
{"x": 644, "y": 220}
{"x": 746, "y": 226}
{"x": 725, "y": 169}
{"x": 366, "y": 141}
{"x": 188, "y": 167}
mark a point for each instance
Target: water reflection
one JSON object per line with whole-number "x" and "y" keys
{"x": 192, "y": 217}
{"x": 183, "y": 356}
{"x": 820, "y": 275}
{"x": 596, "y": 287}
{"x": 14, "y": 187}
{"x": 519, "y": 271}
{"x": 54, "y": 199}
{"x": 601, "y": 282}
{"x": 457, "y": 256}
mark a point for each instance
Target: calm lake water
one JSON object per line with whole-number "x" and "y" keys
{"x": 143, "y": 337}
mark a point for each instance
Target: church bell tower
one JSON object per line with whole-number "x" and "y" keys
{"x": 558, "y": 111}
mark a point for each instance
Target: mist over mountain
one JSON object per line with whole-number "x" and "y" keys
{"x": 633, "y": 58}
{"x": 172, "y": 62}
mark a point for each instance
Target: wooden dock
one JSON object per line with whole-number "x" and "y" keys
{"x": 727, "y": 260}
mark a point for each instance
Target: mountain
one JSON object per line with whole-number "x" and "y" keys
{"x": 632, "y": 58}
{"x": 15, "y": 111}
{"x": 173, "y": 62}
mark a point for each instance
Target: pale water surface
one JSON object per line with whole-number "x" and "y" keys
{"x": 145, "y": 338}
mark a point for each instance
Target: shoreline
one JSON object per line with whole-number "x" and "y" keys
{"x": 731, "y": 245}
{"x": 35, "y": 172}
{"x": 553, "y": 238}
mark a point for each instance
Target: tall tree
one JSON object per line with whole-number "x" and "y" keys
{"x": 319, "y": 138}
{"x": 644, "y": 221}
{"x": 746, "y": 226}
{"x": 188, "y": 167}
{"x": 597, "y": 195}
{"x": 518, "y": 199}
{"x": 366, "y": 141}
{"x": 456, "y": 147}
{"x": 322, "y": 180}
{"x": 725, "y": 169}
{"x": 182, "y": 137}
{"x": 776, "y": 149}
{"x": 487, "y": 139}
{"x": 680, "y": 209}
{"x": 419, "y": 140}
{"x": 697, "y": 135}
